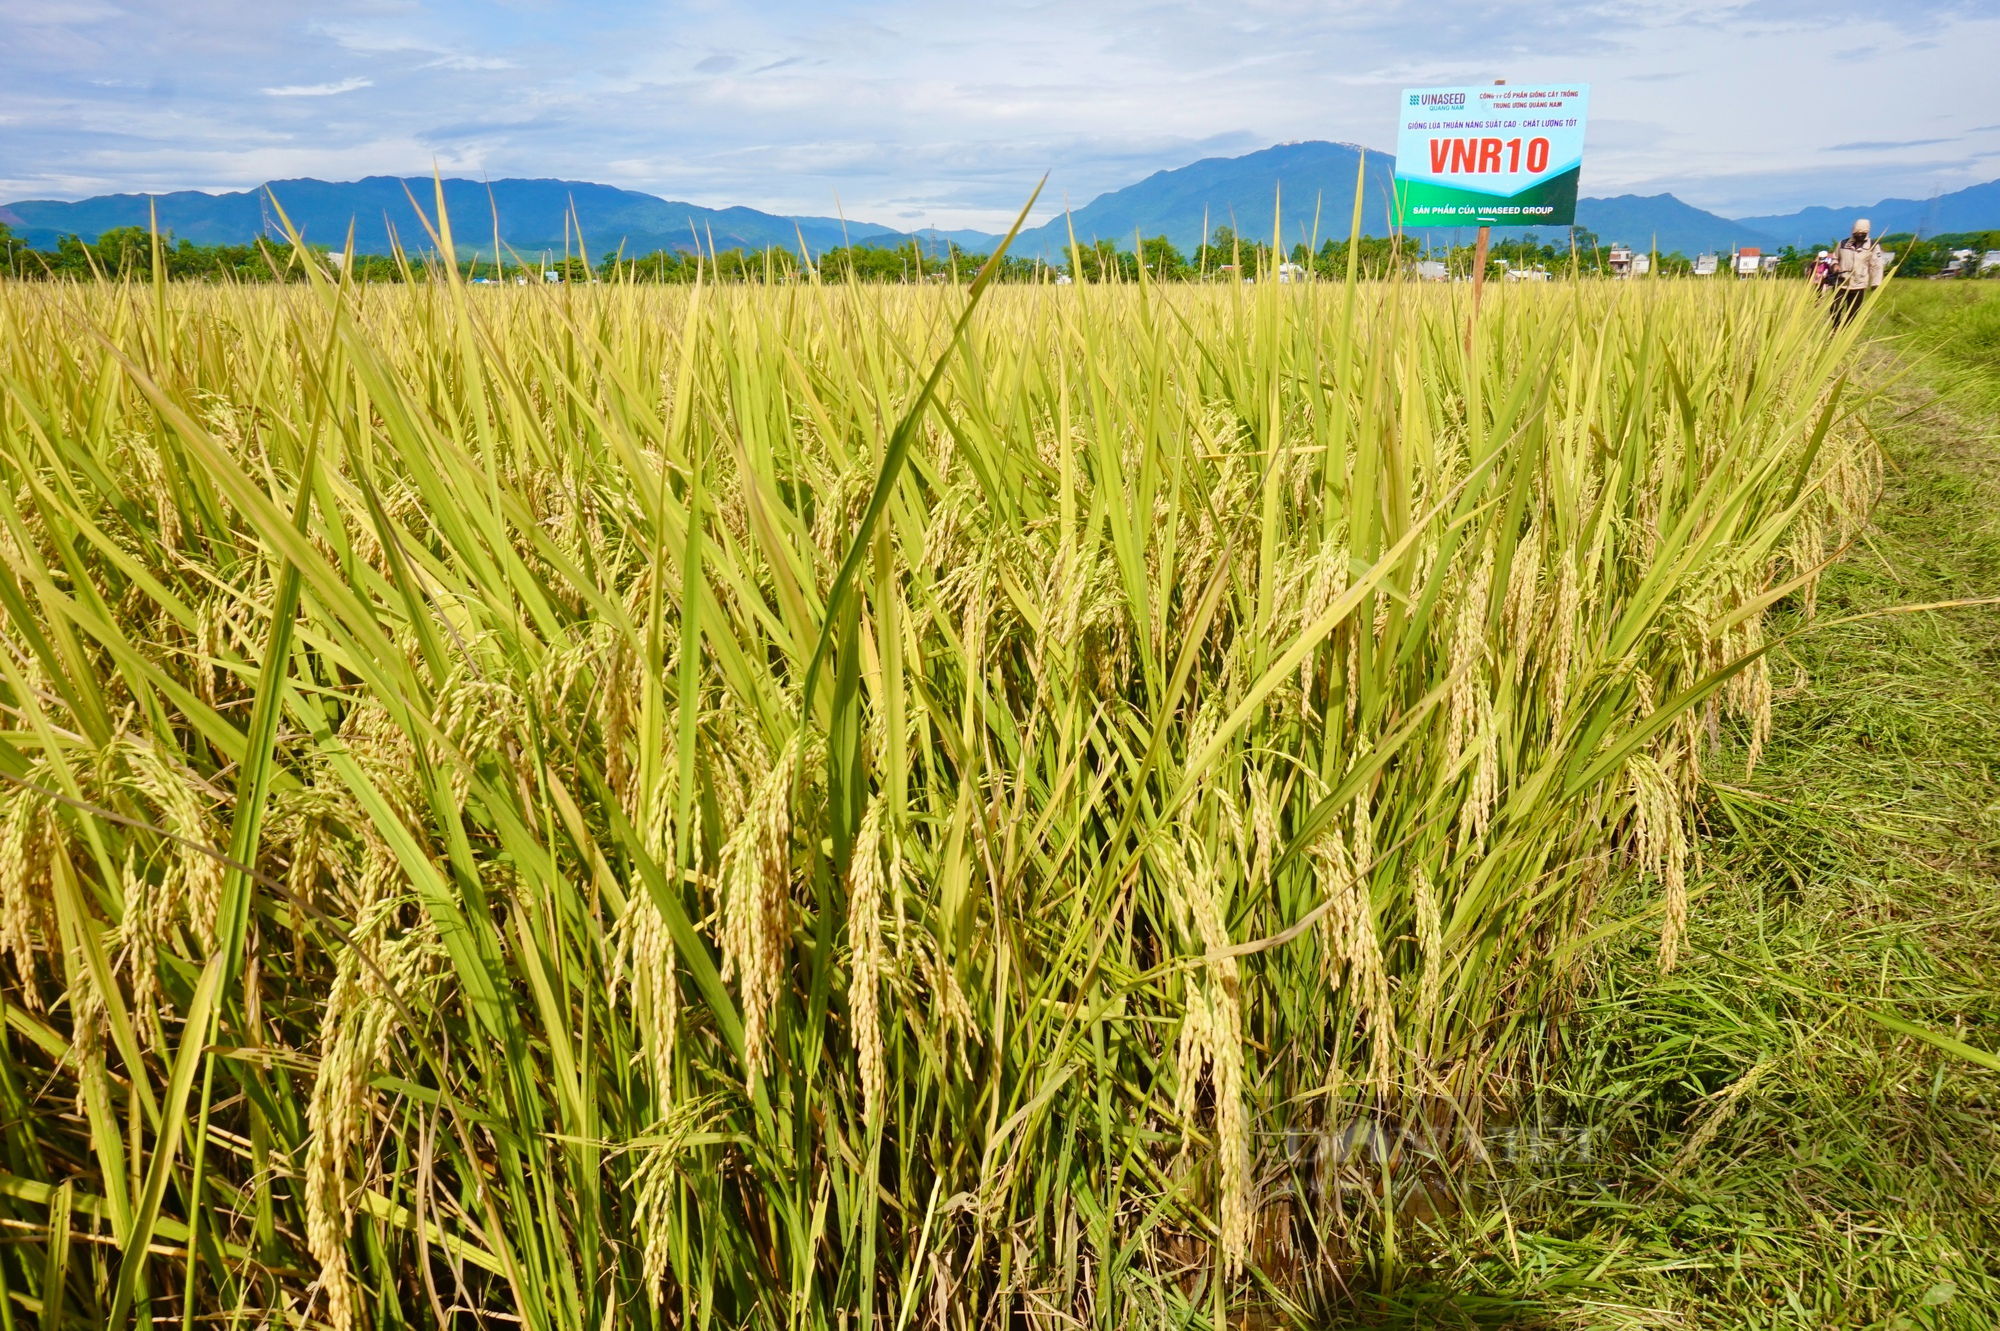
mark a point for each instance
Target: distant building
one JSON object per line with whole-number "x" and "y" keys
{"x": 1989, "y": 261}
{"x": 1430, "y": 270}
{"x": 1626, "y": 263}
{"x": 1291, "y": 272}
{"x": 1749, "y": 262}
{"x": 1705, "y": 265}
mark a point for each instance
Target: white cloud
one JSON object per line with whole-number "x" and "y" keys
{"x": 468, "y": 62}
{"x": 320, "y": 89}
{"x": 1745, "y": 106}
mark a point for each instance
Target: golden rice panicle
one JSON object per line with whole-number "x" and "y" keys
{"x": 375, "y": 983}
{"x": 757, "y": 903}
{"x": 191, "y": 886}
{"x": 1212, "y": 1036}
{"x": 1263, "y": 825}
{"x": 1476, "y": 814}
{"x": 1517, "y": 615}
{"x": 473, "y": 716}
{"x": 865, "y": 883}
{"x": 655, "y": 1190}
{"x": 334, "y": 1115}
{"x": 1468, "y": 655}
{"x": 1561, "y": 657}
{"x": 642, "y": 949}
{"x": 1353, "y": 947}
{"x": 1430, "y": 944}
{"x": 1326, "y": 582}
{"x": 1659, "y": 843}
{"x": 28, "y": 842}
{"x": 1367, "y": 969}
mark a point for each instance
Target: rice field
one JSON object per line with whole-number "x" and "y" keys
{"x": 838, "y": 805}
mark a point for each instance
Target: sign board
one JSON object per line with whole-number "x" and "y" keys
{"x": 1490, "y": 156}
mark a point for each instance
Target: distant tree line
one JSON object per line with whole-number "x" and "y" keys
{"x": 1224, "y": 256}
{"x": 128, "y": 251}
{"x": 909, "y": 261}
{"x": 1933, "y": 255}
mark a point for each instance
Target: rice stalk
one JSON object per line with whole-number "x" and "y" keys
{"x": 744, "y": 804}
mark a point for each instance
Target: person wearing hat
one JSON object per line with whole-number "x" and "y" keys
{"x": 1852, "y": 271}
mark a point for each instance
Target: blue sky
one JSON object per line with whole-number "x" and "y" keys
{"x": 946, "y": 115}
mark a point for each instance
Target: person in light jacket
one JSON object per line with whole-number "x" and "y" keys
{"x": 1852, "y": 271}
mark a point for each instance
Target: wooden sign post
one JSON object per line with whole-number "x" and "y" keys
{"x": 1479, "y": 257}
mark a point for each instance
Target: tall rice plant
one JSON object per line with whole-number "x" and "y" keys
{"x": 612, "y": 805}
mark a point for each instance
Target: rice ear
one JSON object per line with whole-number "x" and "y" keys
{"x": 1237, "y": 705}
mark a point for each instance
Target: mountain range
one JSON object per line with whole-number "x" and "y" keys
{"x": 1975, "y": 208}
{"x": 1306, "y": 189}
{"x": 531, "y": 216}
{"x": 1309, "y": 186}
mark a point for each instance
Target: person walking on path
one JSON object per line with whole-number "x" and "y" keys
{"x": 1853, "y": 270}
